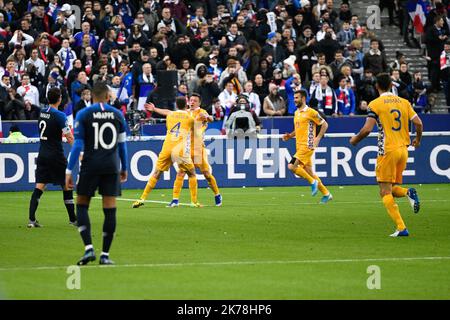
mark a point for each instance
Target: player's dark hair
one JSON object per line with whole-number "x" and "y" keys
{"x": 181, "y": 103}
{"x": 53, "y": 95}
{"x": 197, "y": 95}
{"x": 384, "y": 81}
{"x": 302, "y": 92}
{"x": 100, "y": 91}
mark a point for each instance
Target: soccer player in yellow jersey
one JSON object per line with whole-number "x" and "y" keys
{"x": 392, "y": 115}
{"x": 176, "y": 148}
{"x": 198, "y": 152}
{"x": 305, "y": 122}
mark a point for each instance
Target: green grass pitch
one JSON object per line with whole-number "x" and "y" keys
{"x": 264, "y": 243}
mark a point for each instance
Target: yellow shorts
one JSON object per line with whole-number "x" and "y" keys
{"x": 200, "y": 161}
{"x": 304, "y": 156}
{"x": 390, "y": 167}
{"x": 168, "y": 156}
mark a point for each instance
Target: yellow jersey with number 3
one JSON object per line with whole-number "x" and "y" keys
{"x": 392, "y": 114}
{"x": 305, "y": 122}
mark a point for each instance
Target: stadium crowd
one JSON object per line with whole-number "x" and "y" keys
{"x": 219, "y": 49}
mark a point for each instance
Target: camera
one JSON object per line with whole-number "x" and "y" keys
{"x": 134, "y": 118}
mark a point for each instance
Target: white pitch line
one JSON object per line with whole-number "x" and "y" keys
{"x": 150, "y": 201}
{"x": 277, "y": 204}
{"x": 232, "y": 263}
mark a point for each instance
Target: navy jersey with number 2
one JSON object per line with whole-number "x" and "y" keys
{"x": 101, "y": 128}
{"x": 52, "y": 124}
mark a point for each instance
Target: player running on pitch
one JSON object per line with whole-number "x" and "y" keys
{"x": 51, "y": 162}
{"x": 392, "y": 115}
{"x": 176, "y": 148}
{"x": 305, "y": 122}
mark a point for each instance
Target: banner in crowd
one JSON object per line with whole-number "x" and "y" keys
{"x": 254, "y": 162}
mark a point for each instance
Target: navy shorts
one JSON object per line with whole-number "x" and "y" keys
{"x": 51, "y": 171}
{"x": 107, "y": 184}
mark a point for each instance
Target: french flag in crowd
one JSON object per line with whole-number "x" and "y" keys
{"x": 1, "y": 130}
{"x": 418, "y": 11}
{"x": 68, "y": 110}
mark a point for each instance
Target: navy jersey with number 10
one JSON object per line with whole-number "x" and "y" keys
{"x": 101, "y": 127}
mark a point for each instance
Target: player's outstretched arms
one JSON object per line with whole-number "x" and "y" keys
{"x": 151, "y": 108}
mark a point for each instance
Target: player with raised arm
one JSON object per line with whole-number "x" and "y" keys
{"x": 392, "y": 115}
{"x": 198, "y": 151}
{"x": 176, "y": 149}
{"x": 100, "y": 131}
{"x": 51, "y": 162}
{"x": 305, "y": 121}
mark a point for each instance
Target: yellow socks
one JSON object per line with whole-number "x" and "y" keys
{"x": 177, "y": 186}
{"x": 149, "y": 187}
{"x": 213, "y": 184}
{"x": 393, "y": 211}
{"x": 302, "y": 173}
{"x": 193, "y": 186}
{"x": 399, "y": 192}
{"x": 322, "y": 187}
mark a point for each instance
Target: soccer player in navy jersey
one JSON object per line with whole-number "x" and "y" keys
{"x": 51, "y": 162}
{"x": 100, "y": 131}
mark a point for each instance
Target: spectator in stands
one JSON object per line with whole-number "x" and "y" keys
{"x": 85, "y": 101}
{"x": 261, "y": 88}
{"x": 355, "y": 62}
{"x": 337, "y": 63}
{"x": 274, "y": 49}
{"x": 367, "y": 90}
{"x": 274, "y": 104}
{"x": 399, "y": 88}
{"x": 328, "y": 45}
{"x": 435, "y": 39}
{"x": 324, "y": 98}
{"x": 345, "y": 36}
{"x": 208, "y": 89}
{"x": 253, "y": 98}
{"x": 362, "y": 107}
{"x": 375, "y": 60}
{"x": 345, "y": 98}
{"x": 321, "y": 64}
{"x": 15, "y": 136}
{"x": 305, "y": 50}
{"x": 420, "y": 96}
{"x": 228, "y": 96}
{"x": 445, "y": 71}
{"x": 293, "y": 84}
{"x": 28, "y": 91}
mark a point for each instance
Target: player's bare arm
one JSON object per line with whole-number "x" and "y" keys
{"x": 364, "y": 132}
{"x": 323, "y": 130}
{"x": 151, "y": 108}
{"x": 419, "y": 129}
{"x": 288, "y": 136}
{"x": 69, "y": 138}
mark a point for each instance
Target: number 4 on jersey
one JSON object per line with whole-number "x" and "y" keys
{"x": 176, "y": 129}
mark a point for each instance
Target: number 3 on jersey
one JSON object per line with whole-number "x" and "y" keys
{"x": 397, "y": 118}
{"x": 176, "y": 129}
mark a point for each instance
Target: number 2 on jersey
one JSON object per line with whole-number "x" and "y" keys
{"x": 42, "y": 127}
{"x": 176, "y": 129}
{"x": 397, "y": 119}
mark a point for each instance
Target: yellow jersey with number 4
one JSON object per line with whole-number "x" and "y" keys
{"x": 392, "y": 114}
{"x": 179, "y": 125}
